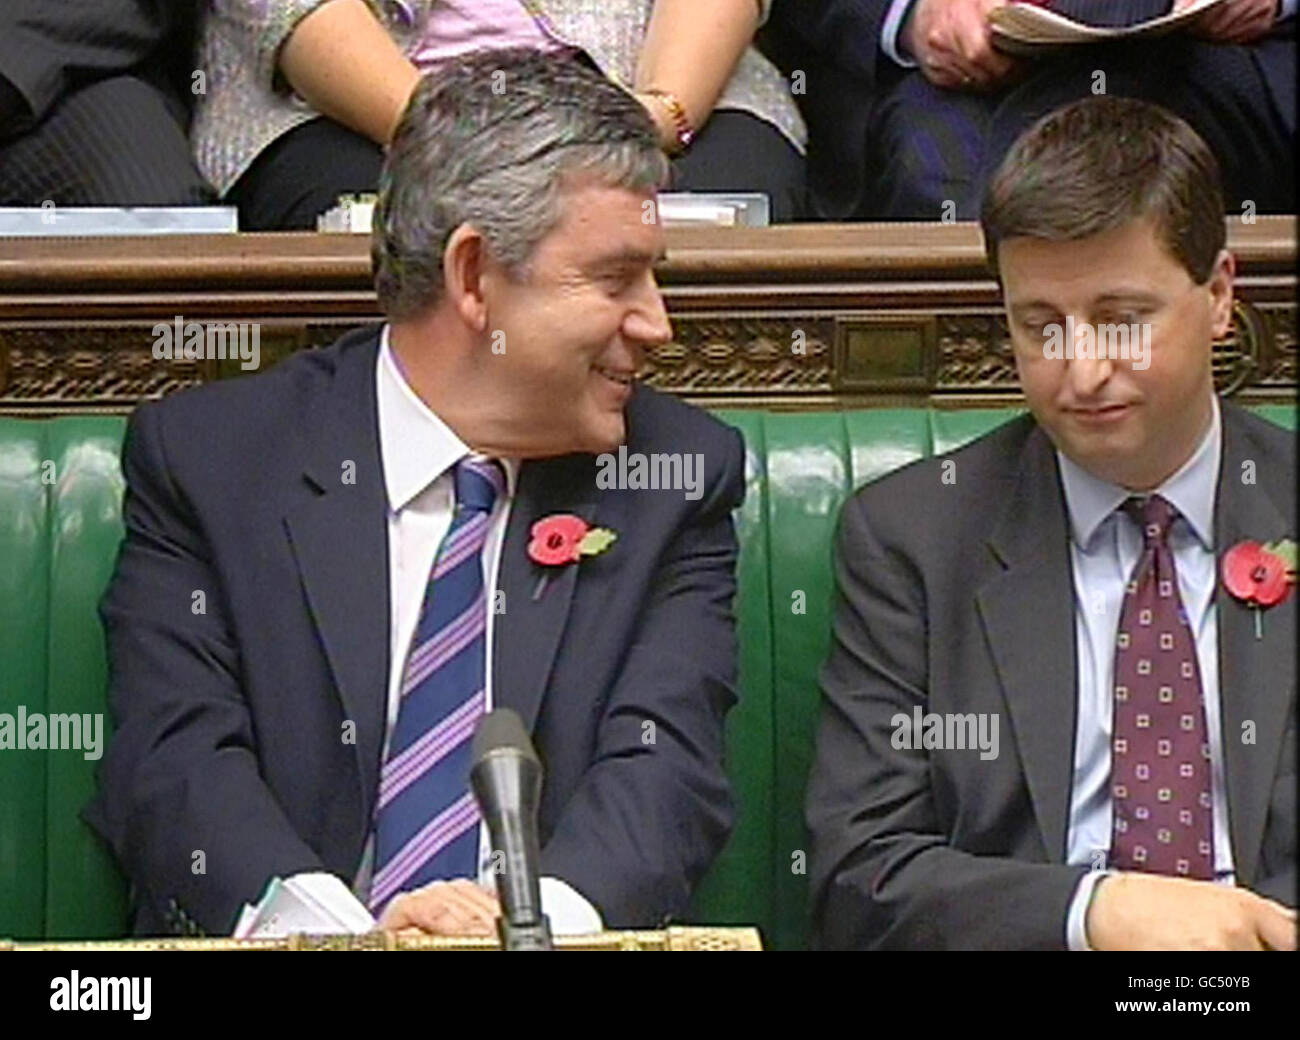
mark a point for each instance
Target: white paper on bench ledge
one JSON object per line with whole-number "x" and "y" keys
{"x": 353, "y": 214}
{"x": 321, "y": 904}
{"x": 65, "y": 221}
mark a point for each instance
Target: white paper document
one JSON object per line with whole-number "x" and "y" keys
{"x": 1029, "y": 29}
{"x": 321, "y": 904}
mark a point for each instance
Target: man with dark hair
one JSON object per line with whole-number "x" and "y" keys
{"x": 411, "y": 527}
{"x": 92, "y": 103}
{"x": 1064, "y": 595}
{"x": 910, "y": 106}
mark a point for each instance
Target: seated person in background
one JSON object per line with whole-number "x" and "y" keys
{"x": 1132, "y": 784}
{"x": 911, "y": 107}
{"x": 93, "y": 103}
{"x": 369, "y": 585}
{"x": 302, "y": 94}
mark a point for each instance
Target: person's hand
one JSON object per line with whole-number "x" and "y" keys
{"x": 458, "y": 907}
{"x": 1235, "y": 21}
{"x": 1132, "y": 911}
{"x": 952, "y": 42}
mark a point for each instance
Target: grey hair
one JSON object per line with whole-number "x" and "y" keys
{"x": 491, "y": 140}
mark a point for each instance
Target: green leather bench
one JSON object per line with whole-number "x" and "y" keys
{"x": 58, "y": 539}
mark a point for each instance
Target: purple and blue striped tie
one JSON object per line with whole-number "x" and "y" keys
{"x": 426, "y": 819}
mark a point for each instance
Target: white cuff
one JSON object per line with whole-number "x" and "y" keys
{"x": 569, "y": 911}
{"x": 1076, "y": 920}
{"x": 894, "y": 19}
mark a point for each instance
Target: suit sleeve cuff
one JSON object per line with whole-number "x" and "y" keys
{"x": 1076, "y": 918}
{"x": 894, "y": 19}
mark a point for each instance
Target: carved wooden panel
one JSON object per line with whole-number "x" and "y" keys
{"x": 800, "y": 316}
{"x": 1259, "y": 351}
{"x": 740, "y": 354}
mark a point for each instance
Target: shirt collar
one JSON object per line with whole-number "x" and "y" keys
{"x": 415, "y": 445}
{"x": 1191, "y": 490}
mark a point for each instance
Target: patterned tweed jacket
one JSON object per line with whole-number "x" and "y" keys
{"x": 246, "y": 106}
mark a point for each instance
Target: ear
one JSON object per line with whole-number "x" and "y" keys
{"x": 1220, "y": 284}
{"x": 463, "y": 263}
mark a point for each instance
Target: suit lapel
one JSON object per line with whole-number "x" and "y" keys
{"x": 526, "y": 636}
{"x": 1255, "y": 675}
{"x": 339, "y": 538}
{"x": 1028, "y": 615}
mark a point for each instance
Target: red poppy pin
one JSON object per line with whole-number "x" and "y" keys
{"x": 564, "y": 538}
{"x": 1260, "y": 576}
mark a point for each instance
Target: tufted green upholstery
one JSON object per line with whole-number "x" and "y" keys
{"x": 58, "y": 539}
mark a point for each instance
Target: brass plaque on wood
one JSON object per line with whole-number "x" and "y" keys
{"x": 885, "y": 353}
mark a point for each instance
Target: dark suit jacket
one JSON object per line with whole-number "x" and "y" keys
{"x": 49, "y": 47}
{"x": 837, "y": 45}
{"x": 229, "y": 723}
{"x": 972, "y": 610}
{"x": 1275, "y": 57}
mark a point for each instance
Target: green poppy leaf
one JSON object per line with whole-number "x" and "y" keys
{"x": 1286, "y": 549}
{"x": 596, "y": 541}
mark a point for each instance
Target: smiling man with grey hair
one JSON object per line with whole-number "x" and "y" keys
{"x": 404, "y": 530}
{"x": 494, "y": 143}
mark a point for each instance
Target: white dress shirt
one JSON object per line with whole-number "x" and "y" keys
{"x": 419, "y": 452}
{"x": 1105, "y": 546}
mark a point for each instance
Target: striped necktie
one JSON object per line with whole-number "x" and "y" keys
{"x": 426, "y": 819}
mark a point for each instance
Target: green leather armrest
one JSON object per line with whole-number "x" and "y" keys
{"x": 737, "y": 889}
{"x": 24, "y": 629}
{"x": 85, "y": 892}
{"x": 809, "y": 473}
{"x": 1280, "y": 414}
{"x": 813, "y": 460}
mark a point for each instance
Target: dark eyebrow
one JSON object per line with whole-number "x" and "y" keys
{"x": 1128, "y": 296}
{"x": 1119, "y": 296}
{"x": 1029, "y": 305}
{"x": 628, "y": 258}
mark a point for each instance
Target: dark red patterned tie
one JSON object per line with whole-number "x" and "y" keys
{"x": 1160, "y": 761}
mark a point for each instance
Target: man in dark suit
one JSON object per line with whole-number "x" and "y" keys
{"x": 1045, "y": 723}
{"x": 910, "y": 107}
{"x": 93, "y": 103}
{"x": 324, "y": 515}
